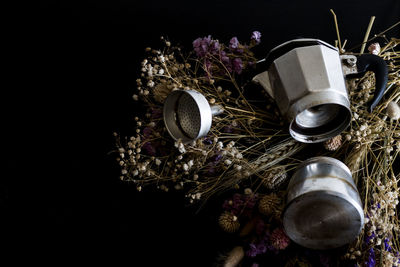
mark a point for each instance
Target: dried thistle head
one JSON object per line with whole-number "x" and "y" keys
{"x": 279, "y": 239}
{"x": 161, "y": 91}
{"x": 271, "y": 205}
{"x": 228, "y": 222}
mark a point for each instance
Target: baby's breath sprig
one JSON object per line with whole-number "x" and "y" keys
{"x": 373, "y": 140}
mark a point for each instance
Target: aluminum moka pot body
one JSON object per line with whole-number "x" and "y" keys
{"x": 306, "y": 77}
{"x": 323, "y": 209}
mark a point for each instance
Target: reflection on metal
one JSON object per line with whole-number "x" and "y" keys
{"x": 323, "y": 208}
{"x": 187, "y": 115}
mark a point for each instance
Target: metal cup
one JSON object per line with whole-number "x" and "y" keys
{"x": 306, "y": 78}
{"x": 323, "y": 209}
{"x": 187, "y": 115}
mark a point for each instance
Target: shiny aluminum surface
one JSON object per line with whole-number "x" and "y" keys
{"x": 323, "y": 208}
{"x": 308, "y": 86}
{"x": 187, "y": 115}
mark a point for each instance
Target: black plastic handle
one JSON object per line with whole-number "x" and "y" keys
{"x": 370, "y": 62}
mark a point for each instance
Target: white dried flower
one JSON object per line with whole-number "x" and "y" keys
{"x": 178, "y": 187}
{"x": 374, "y": 48}
{"x": 123, "y": 171}
{"x": 185, "y": 167}
{"x": 393, "y": 110}
{"x": 158, "y": 162}
{"x": 181, "y": 148}
{"x": 220, "y": 145}
{"x": 228, "y": 162}
{"x": 195, "y": 177}
{"x": 248, "y": 191}
{"x": 150, "y": 83}
{"x": 135, "y": 97}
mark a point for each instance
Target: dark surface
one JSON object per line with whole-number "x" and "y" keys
{"x": 81, "y": 59}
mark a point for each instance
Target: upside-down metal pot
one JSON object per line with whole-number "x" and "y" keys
{"x": 323, "y": 209}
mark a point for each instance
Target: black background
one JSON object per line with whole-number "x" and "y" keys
{"x": 77, "y": 65}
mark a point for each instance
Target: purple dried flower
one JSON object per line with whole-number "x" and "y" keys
{"x": 261, "y": 248}
{"x": 242, "y": 205}
{"x": 216, "y": 158}
{"x": 233, "y": 43}
{"x": 205, "y": 46}
{"x": 237, "y": 65}
{"x": 207, "y": 141}
{"x": 149, "y": 149}
{"x": 214, "y": 47}
{"x": 225, "y": 60}
{"x": 379, "y": 205}
{"x": 252, "y": 252}
{"x": 371, "y": 258}
{"x": 387, "y": 245}
{"x": 200, "y": 46}
{"x": 256, "y": 36}
{"x": 147, "y": 132}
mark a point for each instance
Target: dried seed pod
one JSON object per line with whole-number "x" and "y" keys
{"x": 271, "y": 205}
{"x": 160, "y": 92}
{"x": 274, "y": 178}
{"x": 279, "y": 239}
{"x": 228, "y": 222}
{"x": 333, "y": 144}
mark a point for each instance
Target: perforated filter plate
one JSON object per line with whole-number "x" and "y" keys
{"x": 188, "y": 116}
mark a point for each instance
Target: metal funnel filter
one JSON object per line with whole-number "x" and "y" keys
{"x": 187, "y": 115}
